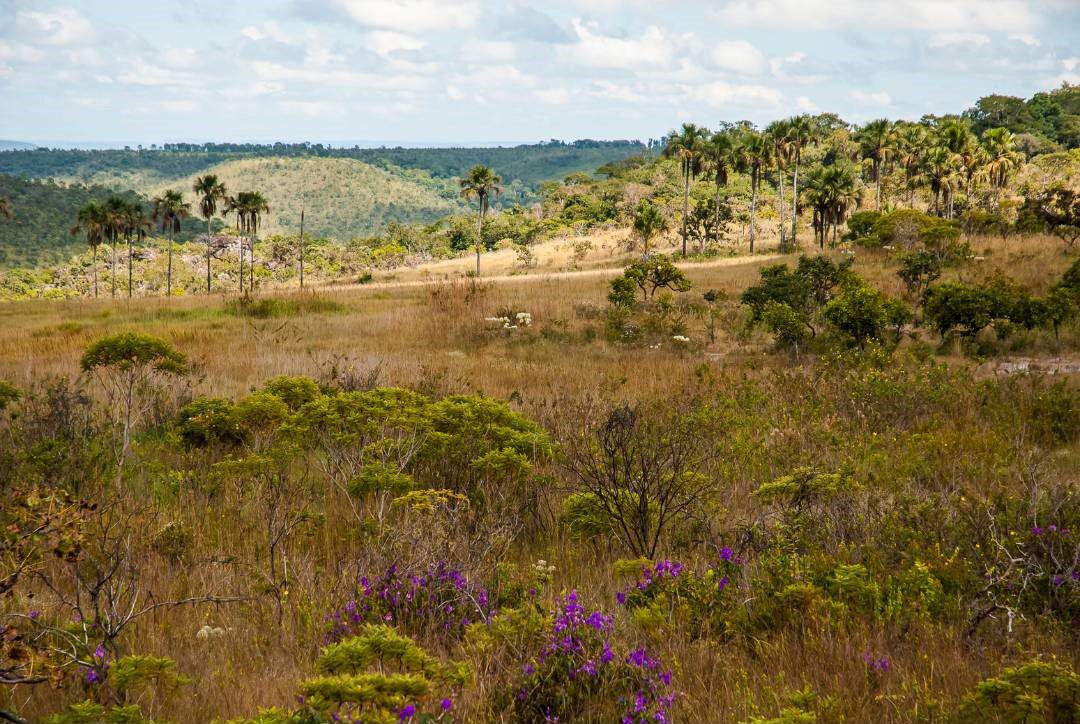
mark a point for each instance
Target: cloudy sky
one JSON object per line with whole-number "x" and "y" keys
{"x": 467, "y": 71}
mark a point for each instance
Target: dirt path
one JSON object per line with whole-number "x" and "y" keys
{"x": 548, "y": 276}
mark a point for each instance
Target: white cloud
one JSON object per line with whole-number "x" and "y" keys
{"x": 798, "y": 67}
{"x": 738, "y": 56}
{"x": 309, "y": 108}
{"x": 59, "y": 26}
{"x": 805, "y": 105}
{"x": 552, "y": 96}
{"x": 945, "y": 40}
{"x": 387, "y": 42}
{"x": 492, "y": 51}
{"x": 925, "y": 15}
{"x": 416, "y": 16}
{"x": 1026, "y": 38}
{"x": 654, "y": 49}
{"x": 880, "y": 98}
{"x": 719, "y": 93}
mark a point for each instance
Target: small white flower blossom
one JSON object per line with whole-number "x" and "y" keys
{"x": 680, "y": 339}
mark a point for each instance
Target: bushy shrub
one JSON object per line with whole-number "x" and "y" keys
{"x": 1040, "y": 691}
{"x": 209, "y": 420}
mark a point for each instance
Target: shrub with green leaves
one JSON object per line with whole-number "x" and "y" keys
{"x": 1043, "y": 692}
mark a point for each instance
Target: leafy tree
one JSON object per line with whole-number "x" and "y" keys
{"x": 791, "y": 328}
{"x": 481, "y": 182}
{"x": 918, "y": 270}
{"x": 832, "y": 194}
{"x": 169, "y": 210}
{"x": 689, "y": 146}
{"x": 125, "y": 365}
{"x": 801, "y": 133}
{"x": 655, "y": 273}
{"x": 860, "y": 312}
{"x": 648, "y": 223}
{"x": 623, "y": 291}
{"x": 953, "y": 306}
{"x": 211, "y": 192}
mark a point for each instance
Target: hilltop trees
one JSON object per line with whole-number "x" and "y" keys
{"x": 211, "y": 192}
{"x": 482, "y": 183}
{"x": 169, "y": 210}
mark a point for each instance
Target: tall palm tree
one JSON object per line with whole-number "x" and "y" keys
{"x": 940, "y": 167}
{"x": 969, "y": 155}
{"x": 115, "y": 221}
{"x": 719, "y": 156}
{"x": 783, "y": 154}
{"x": 687, "y": 145}
{"x": 211, "y": 192}
{"x": 1002, "y": 158}
{"x": 255, "y": 205}
{"x": 481, "y": 182}
{"x": 755, "y": 156}
{"x": 92, "y": 220}
{"x": 877, "y": 144}
{"x": 912, "y": 141}
{"x": 5, "y": 208}
{"x": 169, "y": 210}
{"x": 802, "y": 132}
{"x": 648, "y": 222}
{"x": 135, "y": 226}
{"x": 833, "y": 193}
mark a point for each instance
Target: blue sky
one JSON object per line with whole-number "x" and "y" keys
{"x": 468, "y": 71}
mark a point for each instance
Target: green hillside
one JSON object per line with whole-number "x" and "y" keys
{"x": 342, "y": 197}
{"x": 523, "y": 168}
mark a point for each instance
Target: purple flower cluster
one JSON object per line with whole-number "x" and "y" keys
{"x": 1050, "y": 529}
{"x": 439, "y": 599}
{"x": 579, "y": 647}
{"x": 650, "y": 576}
{"x": 876, "y": 664}
{"x": 98, "y": 669}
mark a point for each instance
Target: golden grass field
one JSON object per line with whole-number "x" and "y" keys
{"x": 422, "y": 328}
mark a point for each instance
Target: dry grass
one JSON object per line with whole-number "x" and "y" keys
{"x": 444, "y": 347}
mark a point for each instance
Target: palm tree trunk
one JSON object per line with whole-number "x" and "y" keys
{"x": 716, "y": 214}
{"x": 753, "y": 208}
{"x": 208, "y": 255}
{"x": 129, "y": 265}
{"x": 114, "y": 268}
{"x": 795, "y": 201}
{"x": 479, "y": 235}
{"x": 241, "y": 241}
{"x": 301, "y": 248}
{"x": 93, "y": 263}
{"x": 685, "y": 208}
{"x": 877, "y": 183}
{"x": 168, "y": 274}
{"x": 783, "y": 228}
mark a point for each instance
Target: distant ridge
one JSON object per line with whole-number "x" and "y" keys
{"x": 16, "y": 146}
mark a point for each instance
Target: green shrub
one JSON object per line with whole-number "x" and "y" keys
{"x": 1038, "y": 692}
{"x": 209, "y": 420}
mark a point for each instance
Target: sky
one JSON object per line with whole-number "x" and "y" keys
{"x": 416, "y": 72}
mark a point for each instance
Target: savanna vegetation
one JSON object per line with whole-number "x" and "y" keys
{"x": 834, "y": 480}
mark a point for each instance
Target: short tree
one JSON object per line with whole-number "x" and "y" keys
{"x": 128, "y": 365}
{"x": 918, "y": 270}
{"x": 649, "y": 275}
{"x": 858, "y": 312}
{"x": 648, "y": 223}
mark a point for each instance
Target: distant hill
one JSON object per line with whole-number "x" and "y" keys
{"x": 15, "y": 146}
{"x": 523, "y": 168}
{"x": 342, "y": 197}
{"x": 43, "y": 213}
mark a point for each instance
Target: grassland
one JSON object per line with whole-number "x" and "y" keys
{"x": 934, "y": 445}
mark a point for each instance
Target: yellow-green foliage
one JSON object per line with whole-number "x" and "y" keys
{"x": 1041, "y": 692}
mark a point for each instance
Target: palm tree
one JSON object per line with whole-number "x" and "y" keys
{"x": 802, "y": 132}
{"x": 877, "y": 143}
{"x": 940, "y": 167}
{"x": 1002, "y": 158}
{"x": 833, "y": 194}
{"x": 115, "y": 220}
{"x": 169, "y": 210}
{"x": 648, "y": 222}
{"x": 719, "y": 157}
{"x": 92, "y": 220}
{"x": 135, "y": 226}
{"x": 255, "y": 205}
{"x": 210, "y": 192}
{"x": 688, "y": 145}
{"x": 961, "y": 142}
{"x": 5, "y": 208}
{"x": 481, "y": 182}
{"x": 755, "y": 155}
{"x": 911, "y": 144}
{"x": 783, "y": 153}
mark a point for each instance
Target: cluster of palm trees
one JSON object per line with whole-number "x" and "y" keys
{"x": 944, "y": 156}
{"x": 118, "y": 219}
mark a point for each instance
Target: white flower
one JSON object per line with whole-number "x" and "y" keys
{"x": 524, "y": 319}
{"x": 681, "y": 339}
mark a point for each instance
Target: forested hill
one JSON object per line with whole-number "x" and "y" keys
{"x": 42, "y": 215}
{"x": 529, "y": 165}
